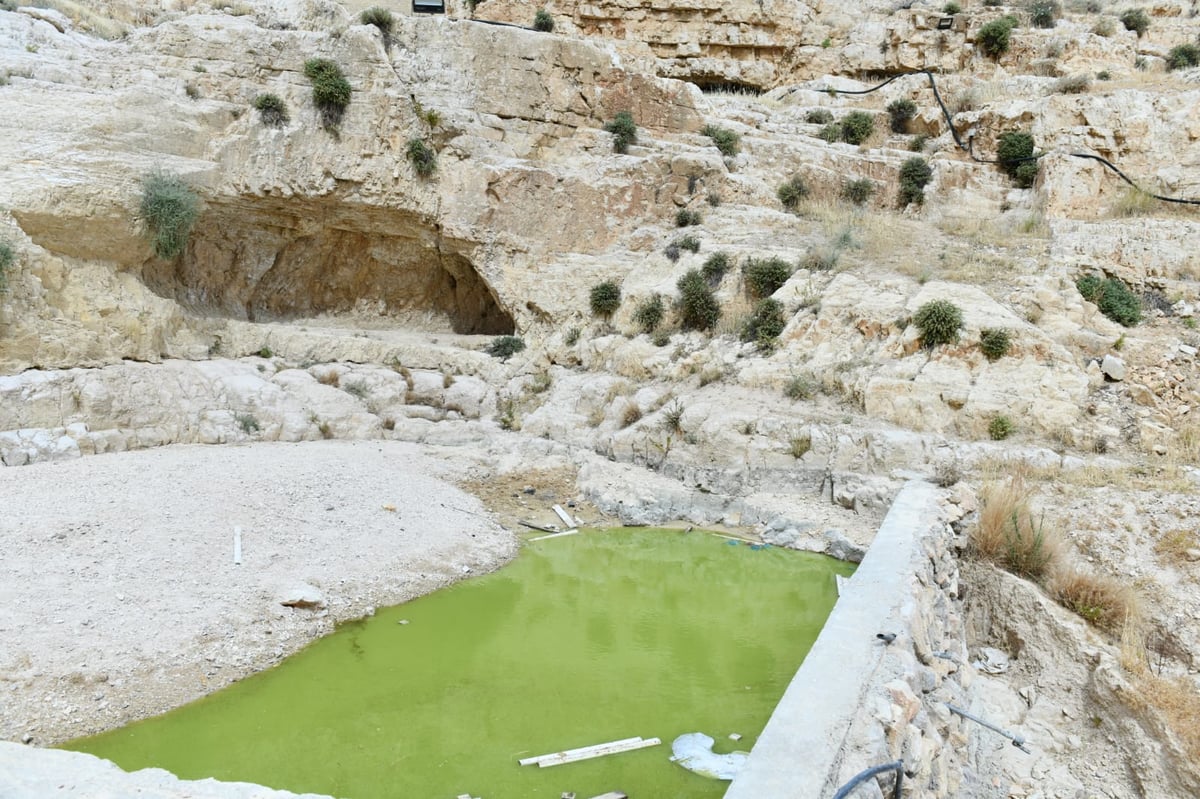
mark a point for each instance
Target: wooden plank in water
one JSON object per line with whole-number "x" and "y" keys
{"x": 600, "y": 750}
{"x": 555, "y": 535}
{"x": 529, "y": 761}
{"x": 612, "y": 795}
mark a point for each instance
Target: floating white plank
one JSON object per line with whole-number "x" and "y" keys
{"x": 237, "y": 546}
{"x": 599, "y": 750}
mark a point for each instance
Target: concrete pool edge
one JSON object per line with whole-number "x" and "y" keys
{"x": 856, "y": 701}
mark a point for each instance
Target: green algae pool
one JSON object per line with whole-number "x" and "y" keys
{"x": 581, "y": 640}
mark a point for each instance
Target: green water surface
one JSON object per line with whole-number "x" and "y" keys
{"x": 582, "y": 640}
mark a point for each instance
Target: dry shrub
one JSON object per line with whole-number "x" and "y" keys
{"x": 631, "y": 414}
{"x": 1099, "y": 599}
{"x": 1179, "y": 701}
{"x": 1008, "y": 534}
{"x": 1173, "y": 545}
{"x": 330, "y": 378}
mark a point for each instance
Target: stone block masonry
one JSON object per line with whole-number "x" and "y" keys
{"x": 858, "y": 701}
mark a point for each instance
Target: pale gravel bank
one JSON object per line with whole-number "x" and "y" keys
{"x": 52, "y": 774}
{"x": 120, "y": 598}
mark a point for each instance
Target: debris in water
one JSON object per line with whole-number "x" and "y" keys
{"x": 588, "y": 752}
{"x": 694, "y": 752}
{"x": 733, "y": 736}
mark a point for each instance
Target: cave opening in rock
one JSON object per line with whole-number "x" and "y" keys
{"x": 273, "y": 259}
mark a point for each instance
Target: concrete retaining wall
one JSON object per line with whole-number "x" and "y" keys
{"x": 858, "y": 702}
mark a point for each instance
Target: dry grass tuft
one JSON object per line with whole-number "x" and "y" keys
{"x": 1099, "y": 599}
{"x": 1173, "y": 546}
{"x": 1179, "y": 701}
{"x": 1008, "y": 534}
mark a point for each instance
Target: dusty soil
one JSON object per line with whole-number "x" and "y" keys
{"x": 120, "y": 598}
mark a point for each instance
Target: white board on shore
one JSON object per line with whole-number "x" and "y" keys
{"x": 562, "y": 514}
{"x": 237, "y": 545}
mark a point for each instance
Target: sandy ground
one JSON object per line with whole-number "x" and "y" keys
{"x": 119, "y": 596}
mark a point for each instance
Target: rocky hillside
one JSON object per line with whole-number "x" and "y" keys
{"x": 356, "y": 247}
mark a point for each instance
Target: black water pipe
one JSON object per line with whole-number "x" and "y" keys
{"x": 863, "y": 776}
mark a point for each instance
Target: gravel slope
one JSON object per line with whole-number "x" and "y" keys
{"x": 119, "y": 597}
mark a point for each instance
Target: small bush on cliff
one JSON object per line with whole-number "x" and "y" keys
{"x": 1013, "y": 150}
{"x": 765, "y": 276}
{"x": 331, "y": 90}
{"x": 422, "y": 157}
{"x": 169, "y": 209}
{"x": 819, "y": 116}
{"x": 649, "y": 313}
{"x": 1183, "y": 56}
{"x": 605, "y": 298}
{"x": 698, "y": 306}
{"x": 687, "y": 218}
{"x": 504, "y": 347}
{"x": 542, "y": 21}
{"x": 624, "y": 131}
{"x": 1000, "y": 428}
{"x": 900, "y": 112}
{"x": 1136, "y": 20}
{"x": 995, "y": 342}
{"x": 915, "y": 174}
{"x": 1101, "y": 600}
{"x": 726, "y": 140}
{"x": 791, "y": 192}
{"x": 381, "y": 18}
{"x": 765, "y": 324}
{"x": 939, "y": 322}
{"x": 272, "y": 110}
{"x": 858, "y": 191}
{"x": 857, "y": 126}
{"x": 1112, "y": 297}
{"x": 715, "y": 267}
{"x": 1044, "y": 13}
{"x": 995, "y": 37}
{"x": 7, "y": 258}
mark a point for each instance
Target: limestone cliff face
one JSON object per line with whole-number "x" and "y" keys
{"x": 298, "y": 222}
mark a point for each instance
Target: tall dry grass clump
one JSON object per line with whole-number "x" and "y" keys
{"x": 1009, "y": 535}
{"x": 1101, "y": 600}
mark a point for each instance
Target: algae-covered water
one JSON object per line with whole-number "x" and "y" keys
{"x": 582, "y": 640}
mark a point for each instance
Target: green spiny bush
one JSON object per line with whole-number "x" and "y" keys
{"x": 900, "y": 112}
{"x": 858, "y": 191}
{"x": 830, "y": 133}
{"x": 791, "y": 192}
{"x": 624, "y": 131}
{"x": 504, "y": 347}
{"x": 726, "y": 140}
{"x": 1136, "y": 20}
{"x": 819, "y": 116}
{"x": 605, "y": 298}
{"x": 765, "y": 324}
{"x": 995, "y": 37}
{"x": 1182, "y": 56}
{"x": 952, "y": 8}
{"x": 169, "y": 209}
{"x": 672, "y": 252}
{"x": 857, "y": 126}
{"x": 1044, "y": 13}
{"x": 715, "y": 267}
{"x": 800, "y": 387}
{"x": 7, "y": 257}
{"x": 331, "y": 90}
{"x": 915, "y": 174}
{"x": 272, "y": 110}
{"x": 689, "y": 243}
{"x": 1013, "y": 149}
{"x": 422, "y": 157}
{"x": 698, "y": 306}
{"x": 765, "y": 276}
{"x": 543, "y": 22}
{"x": 1000, "y": 428}
{"x": 917, "y": 143}
{"x": 1112, "y": 297}
{"x": 649, "y": 313}
{"x": 687, "y": 218}
{"x": 381, "y": 18}
{"x": 939, "y": 322}
{"x": 995, "y": 342}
